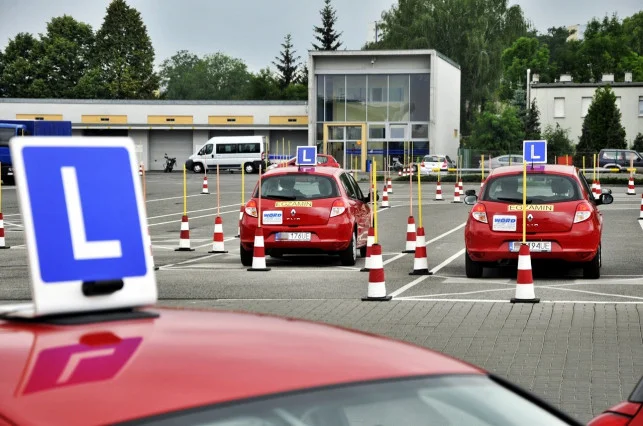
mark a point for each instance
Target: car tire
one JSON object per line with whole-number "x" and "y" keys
{"x": 249, "y": 168}
{"x": 362, "y": 251}
{"x": 348, "y": 257}
{"x": 473, "y": 269}
{"x": 246, "y": 256}
{"x": 592, "y": 269}
{"x": 197, "y": 168}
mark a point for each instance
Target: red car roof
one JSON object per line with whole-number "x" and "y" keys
{"x": 319, "y": 170}
{"x": 538, "y": 168}
{"x": 114, "y": 371}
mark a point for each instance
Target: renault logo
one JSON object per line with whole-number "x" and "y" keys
{"x": 530, "y": 217}
{"x": 293, "y": 212}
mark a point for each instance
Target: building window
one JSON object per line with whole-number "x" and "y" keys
{"x": 559, "y": 107}
{"x": 640, "y": 105}
{"x": 397, "y": 131}
{"x": 584, "y": 105}
{"x": 356, "y": 98}
{"x": 420, "y": 93}
{"x": 320, "y": 98}
{"x": 420, "y": 131}
{"x": 399, "y": 102}
{"x": 377, "y": 98}
{"x": 335, "y": 98}
{"x": 377, "y": 131}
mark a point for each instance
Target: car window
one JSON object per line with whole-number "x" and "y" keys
{"x": 358, "y": 190}
{"x": 444, "y": 400}
{"x": 348, "y": 186}
{"x": 541, "y": 188}
{"x": 298, "y": 186}
{"x": 206, "y": 150}
{"x": 588, "y": 189}
{"x": 322, "y": 159}
{"x": 227, "y": 148}
{"x": 249, "y": 148}
{"x": 432, "y": 159}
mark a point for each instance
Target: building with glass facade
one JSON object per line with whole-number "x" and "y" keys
{"x": 386, "y": 105}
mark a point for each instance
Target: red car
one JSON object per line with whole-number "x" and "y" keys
{"x": 188, "y": 367}
{"x": 563, "y": 219}
{"x": 323, "y": 160}
{"x": 627, "y": 413}
{"x": 307, "y": 210}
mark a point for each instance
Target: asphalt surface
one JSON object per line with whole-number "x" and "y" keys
{"x": 581, "y": 348}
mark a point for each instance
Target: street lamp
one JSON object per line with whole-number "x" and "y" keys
{"x": 528, "y": 89}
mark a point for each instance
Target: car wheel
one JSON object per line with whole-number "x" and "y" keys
{"x": 197, "y": 168}
{"x": 249, "y": 168}
{"x": 592, "y": 270}
{"x": 473, "y": 269}
{"x": 348, "y": 257}
{"x": 362, "y": 251}
{"x": 246, "y": 256}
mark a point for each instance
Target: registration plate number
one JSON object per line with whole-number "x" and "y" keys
{"x": 534, "y": 246}
{"x": 293, "y": 236}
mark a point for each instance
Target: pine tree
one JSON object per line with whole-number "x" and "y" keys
{"x": 326, "y": 34}
{"x": 303, "y": 75}
{"x": 532, "y": 122}
{"x": 602, "y": 126}
{"x": 123, "y": 55}
{"x": 287, "y": 64}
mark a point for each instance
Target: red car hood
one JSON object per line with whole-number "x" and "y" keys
{"x": 114, "y": 371}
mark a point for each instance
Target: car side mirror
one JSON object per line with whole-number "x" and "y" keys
{"x": 470, "y": 192}
{"x": 605, "y": 199}
{"x": 606, "y": 191}
{"x": 470, "y": 199}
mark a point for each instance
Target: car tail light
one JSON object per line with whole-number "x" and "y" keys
{"x": 422, "y": 164}
{"x": 479, "y": 213}
{"x": 583, "y": 212}
{"x": 338, "y": 208}
{"x": 251, "y": 208}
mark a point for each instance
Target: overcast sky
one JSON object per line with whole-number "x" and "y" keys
{"x": 253, "y": 30}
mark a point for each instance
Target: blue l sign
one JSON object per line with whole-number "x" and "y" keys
{"x": 535, "y": 151}
{"x": 306, "y": 155}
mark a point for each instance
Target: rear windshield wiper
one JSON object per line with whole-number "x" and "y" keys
{"x": 282, "y": 197}
{"x": 514, "y": 200}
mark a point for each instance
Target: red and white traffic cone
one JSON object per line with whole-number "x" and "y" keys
{"x": 385, "y": 197}
{"x": 461, "y": 187}
{"x": 525, "y": 281}
{"x": 376, "y": 283}
{"x": 217, "y": 240}
{"x": 438, "y": 192}
{"x": 389, "y": 184}
{"x": 370, "y": 240}
{"x": 630, "y": 186}
{"x": 640, "y": 214}
{"x": 410, "y": 236}
{"x": 405, "y": 173}
{"x": 184, "y": 241}
{"x": 3, "y": 243}
{"x": 399, "y": 173}
{"x": 594, "y": 189}
{"x": 258, "y": 254}
{"x": 456, "y": 196}
{"x": 205, "y": 185}
{"x": 420, "y": 262}
{"x": 241, "y": 211}
{"x": 599, "y": 191}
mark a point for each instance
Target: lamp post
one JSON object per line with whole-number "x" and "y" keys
{"x": 528, "y": 89}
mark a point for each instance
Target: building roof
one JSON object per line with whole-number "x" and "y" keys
{"x": 384, "y": 52}
{"x": 597, "y": 84}
{"x": 143, "y": 102}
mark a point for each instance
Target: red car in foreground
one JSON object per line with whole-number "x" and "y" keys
{"x": 563, "y": 219}
{"x": 323, "y": 160}
{"x": 307, "y": 210}
{"x": 188, "y": 367}
{"x": 627, "y": 413}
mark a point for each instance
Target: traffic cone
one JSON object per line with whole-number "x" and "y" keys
{"x": 405, "y": 174}
{"x": 369, "y": 244}
{"x": 241, "y": 211}
{"x": 630, "y": 186}
{"x": 3, "y": 244}
{"x": 525, "y": 281}
{"x": 399, "y": 173}
{"x": 258, "y": 254}
{"x": 376, "y": 283}
{"x": 385, "y": 197}
{"x": 205, "y": 185}
{"x": 420, "y": 262}
{"x": 438, "y": 192}
{"x": 410, "y": 236}
{"x": 599, "y": 191}
{"x": 217, "y": 241}
{"x": 456, "y": 196}
{"x": 184, "y": 241}
{"x": 389, "y": 184}
{"x": 461, "y": 187}
{"x": 640, "y": 214}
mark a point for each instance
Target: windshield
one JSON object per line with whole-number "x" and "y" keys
{"x": 297, "y": 187}
{"x": 433, "y": 159}
{"x": 540, "y": 189}
{"x": 5, "y": 135}
{"x": 445, "y": 401}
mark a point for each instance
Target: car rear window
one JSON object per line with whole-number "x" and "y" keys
{"x": 433, "y": 158}
{"x": 541, "y": 188}
{"x": 298, "y": 186}
{"x": 445, "y": 400}
{"x": 322, "y": 160}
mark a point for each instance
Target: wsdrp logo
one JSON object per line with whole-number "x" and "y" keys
{"x": 272, "y": 215}
{"x": 504, "y": 220}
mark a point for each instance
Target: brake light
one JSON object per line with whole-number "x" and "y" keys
{"x": 479, "y": 213}
{"x": 338, "y": 208}
{"x": 422, "y": 164}
{"x": 583, "y": 212}
{"x": 251, "y": 208}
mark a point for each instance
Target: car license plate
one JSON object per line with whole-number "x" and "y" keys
{"x": 293, "y": 236}
{"x": 534, "y": 246}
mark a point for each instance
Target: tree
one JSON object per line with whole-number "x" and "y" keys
{"x": 65, "y": 47}
{"x": 531, "y": 122}
{"x": 286, "y": 63}
{"x": 602, "y": 126}
{"x": 604, "y": 47}
{"x": 21, "y": 71}
{"x": 525, "y": 53}
{"x": 637, "y": 145}
{"x": 633, "y": 30}
{"x": 326, "y": 35}
{"x": 123, "y": 55}
{"x": 497, "y": 131}
{"x": 564, "y": 56}
{"x": 558, "y": 142}
{"x": 264, "y": 86}
{"x": 303, "y": 75}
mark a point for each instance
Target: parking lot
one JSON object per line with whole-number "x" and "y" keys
{"x": 580, "y": 348}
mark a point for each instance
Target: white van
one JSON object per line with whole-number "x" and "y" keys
{"x": 230, "y": 153}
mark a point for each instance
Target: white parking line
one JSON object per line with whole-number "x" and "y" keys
{"x": 192, "y": 218}
{"x": 439, "y": 237}
{"x": 573, "y": 302}
{"x": 424, "y": 277}
{"x": 596, "y": 293}
{"x": 191, "y": 211}
{"x": 13, "y": 224}
{"x": 456, "y": 294}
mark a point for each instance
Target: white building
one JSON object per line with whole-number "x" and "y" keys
{"x": 566, "y": 103}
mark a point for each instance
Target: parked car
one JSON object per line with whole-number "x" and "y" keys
{"x": 626, "y": 413}
{"x": 322, "y": 160}
{"x": 620, "y": 159}
{"x": 229, "y": 153}
{"x": 501, "y": 161}
{"x": 563, "y": 221}
{"x": 436, "y": 161}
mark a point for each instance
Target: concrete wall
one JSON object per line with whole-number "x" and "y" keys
{"x": 444, "y": 129}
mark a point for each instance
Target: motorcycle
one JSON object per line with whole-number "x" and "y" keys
{"x": 169, "y": 164}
